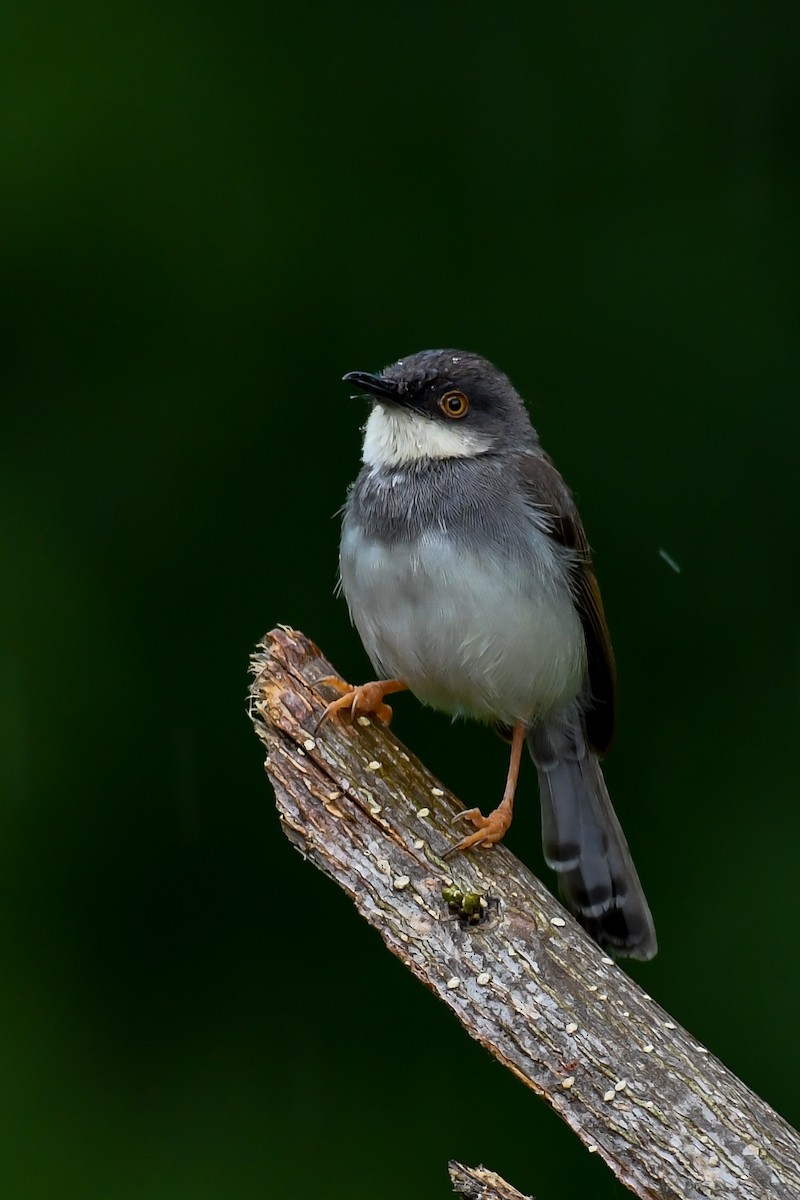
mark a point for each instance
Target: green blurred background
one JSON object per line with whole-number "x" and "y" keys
{"x": 209, "y": 213}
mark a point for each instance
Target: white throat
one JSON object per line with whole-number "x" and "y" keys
{"x": 398, "y": 437}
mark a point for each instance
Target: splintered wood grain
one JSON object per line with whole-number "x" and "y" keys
{"x": 478, "y": 1183}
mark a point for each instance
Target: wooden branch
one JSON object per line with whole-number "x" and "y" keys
{"x": 519, "y": 973}
{"x": 476, "y": 1183}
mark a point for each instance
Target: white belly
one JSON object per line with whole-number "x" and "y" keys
{"x": 469, "y": 635}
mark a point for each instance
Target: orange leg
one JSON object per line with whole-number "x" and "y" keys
{"x": 491, "y": 829}
{"x": 367, "y": 698}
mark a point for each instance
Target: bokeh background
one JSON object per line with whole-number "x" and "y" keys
{"x": 209, "y": 212}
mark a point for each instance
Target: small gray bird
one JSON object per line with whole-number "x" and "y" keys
{"x": 469, "y": 578}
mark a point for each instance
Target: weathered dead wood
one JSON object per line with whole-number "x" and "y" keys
{"x": 477, "y": 1183}
{"x": 669, "y": 1119}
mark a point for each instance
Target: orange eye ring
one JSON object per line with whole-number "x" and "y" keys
{"x": 454, "y": 405}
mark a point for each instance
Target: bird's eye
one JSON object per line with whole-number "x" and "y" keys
{"x": 454, "y": 404}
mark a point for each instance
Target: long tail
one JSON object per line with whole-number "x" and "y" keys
{"x": 583, "y": 841}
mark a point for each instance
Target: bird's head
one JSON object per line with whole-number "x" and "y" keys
{"x": 440, "y": 404}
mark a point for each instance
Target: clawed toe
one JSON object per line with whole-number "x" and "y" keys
{"x": 366, "y": 699}
{"x": 481, "y": 837}
{"x": 333, "y": 681}
{"x": 488, "y": 830}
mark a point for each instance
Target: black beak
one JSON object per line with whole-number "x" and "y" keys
{"x": 375, "y": 385}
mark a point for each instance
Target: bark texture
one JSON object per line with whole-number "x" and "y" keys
{"x": 519, "y": 973}
{"x": 477, "y": 1183}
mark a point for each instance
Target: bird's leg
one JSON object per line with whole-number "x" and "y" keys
{"x": 490, "y": 830}
{"x": 367, "y": 698}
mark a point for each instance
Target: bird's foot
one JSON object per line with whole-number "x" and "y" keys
{"x": 367, "y": 698}
{"x": 488, "y": 830}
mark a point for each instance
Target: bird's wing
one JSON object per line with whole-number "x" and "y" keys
{"x": 551, "y": 496}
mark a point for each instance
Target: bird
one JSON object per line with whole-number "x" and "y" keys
{"x": 469, "y": 578}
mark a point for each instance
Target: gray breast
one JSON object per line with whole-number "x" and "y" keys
{"x": 455, "y": 587}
